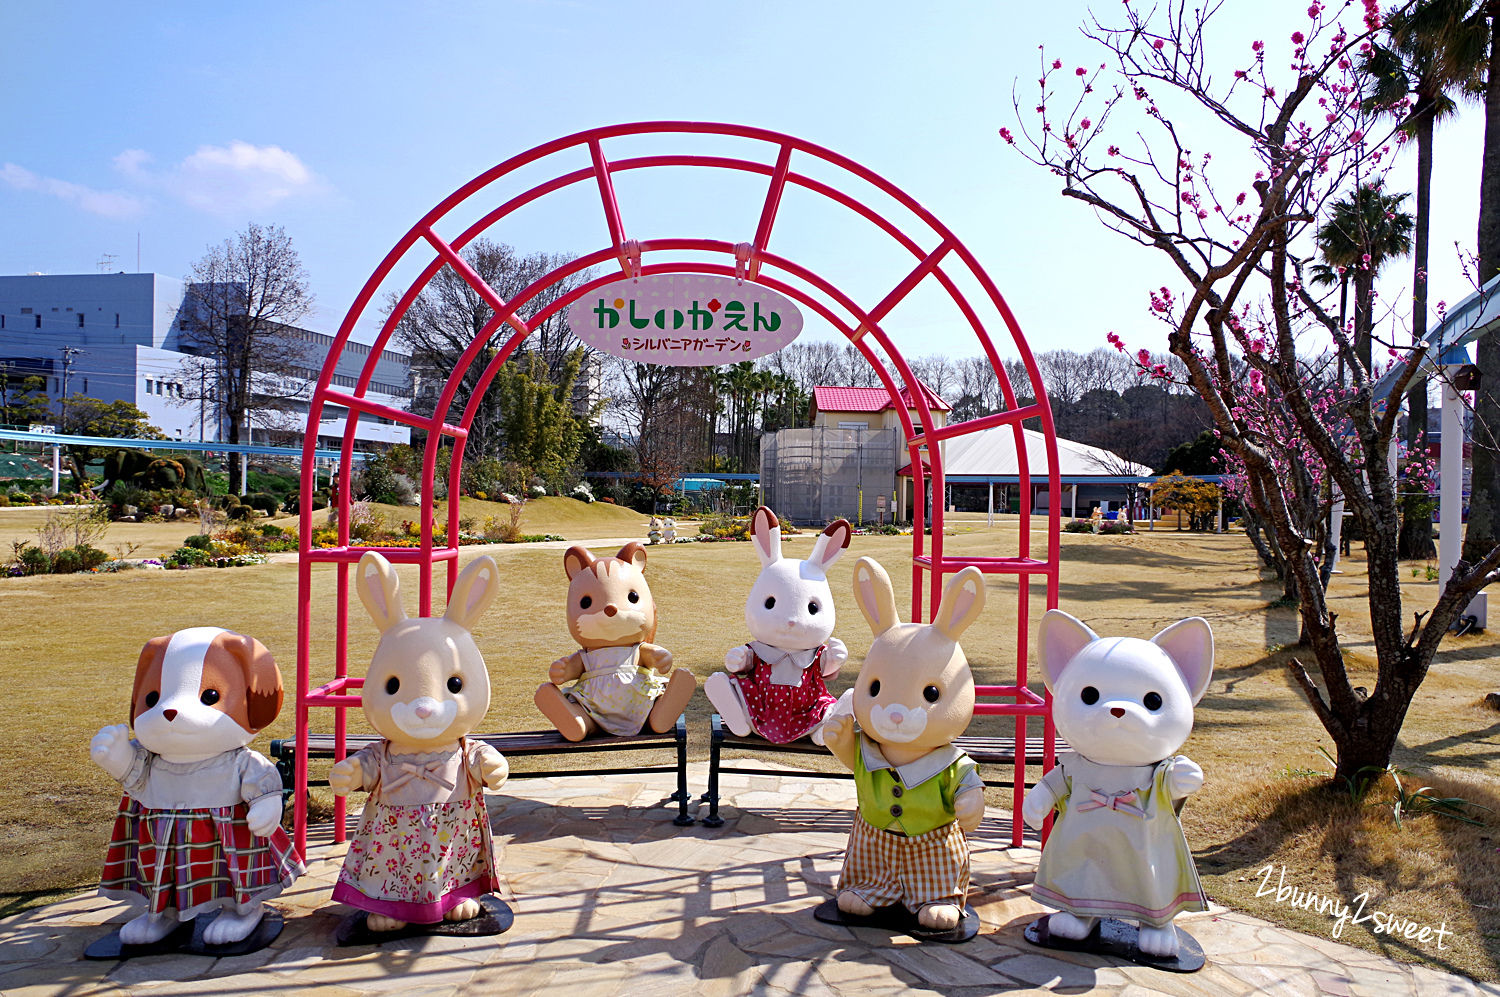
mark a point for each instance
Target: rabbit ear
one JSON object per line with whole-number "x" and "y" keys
{"x": 830, "y": 544}
{"x": 380, "y": 590}
{"x": 1190, "y": 645}
{"x": 473, "y": 592}
{"x": 873, "y": 592}
{"x": 1061, "y": 638}
{"x": 963, "y": 601}
{"x": 576, "y": 559}
{"x": 765, "y": 530}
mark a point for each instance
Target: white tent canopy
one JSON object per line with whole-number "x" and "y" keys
{"x": 992, "y": 453}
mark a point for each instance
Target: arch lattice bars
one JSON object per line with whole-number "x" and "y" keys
{"x": 937, "y": 256}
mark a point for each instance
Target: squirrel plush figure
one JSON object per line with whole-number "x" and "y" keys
{"x": 1125, "y": 706}
{"x": 422, "y": 852}
{"x": 918, "y": 794}
{"x": 622, "y": 682}
{"x": 199, "y": 826}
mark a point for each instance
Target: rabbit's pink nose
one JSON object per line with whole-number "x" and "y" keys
{"x": 169, "y": 714}
{"x": 1117, "y": 711}
{"x": 610, "y": 610}
{"x": 422, "y": 710}
{"x": 896, "y": 718}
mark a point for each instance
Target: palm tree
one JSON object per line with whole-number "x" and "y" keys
{"x": 1365, "y": 230}
{"x": 1437, "y": 48}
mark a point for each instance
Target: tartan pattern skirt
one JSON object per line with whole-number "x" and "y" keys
{"x": 195, "y": 860}
{"x": 883, "y": 868}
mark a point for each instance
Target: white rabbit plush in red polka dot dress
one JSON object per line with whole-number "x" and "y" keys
{"x": 776, "y": 684}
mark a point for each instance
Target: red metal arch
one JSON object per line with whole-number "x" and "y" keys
{"x": 938, "y": 254}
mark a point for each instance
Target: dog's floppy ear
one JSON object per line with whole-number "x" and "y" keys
{"x": 263, "y": 691}
{"x": 147, "y": 673}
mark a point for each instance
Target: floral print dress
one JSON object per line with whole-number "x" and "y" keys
{"x": 423, "y": 844}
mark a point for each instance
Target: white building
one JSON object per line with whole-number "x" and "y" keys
{"x": 119, "y": 337}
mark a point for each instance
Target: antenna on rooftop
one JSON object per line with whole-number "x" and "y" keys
{"x": 106, "y": 262}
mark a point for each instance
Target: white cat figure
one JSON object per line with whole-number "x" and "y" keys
{"x": 1125, "y": 706}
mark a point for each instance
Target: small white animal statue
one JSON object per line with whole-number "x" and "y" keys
{"x": 1125, "y": 706}
{"x": 776, "y": 685}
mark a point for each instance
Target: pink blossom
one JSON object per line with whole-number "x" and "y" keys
{"x": 1314, "y": 10}
{"x": 1114, "y": 150}
{"x": 1143, "y": 357}
{"x": 1079, "y": 71}
{"x": 1258, "y": 46}
{"x": 1056, "y": 63}
{"x": 1085, "y": 123}
{"x": 1159, "y": 44}
{"x": 1005, "y": 134}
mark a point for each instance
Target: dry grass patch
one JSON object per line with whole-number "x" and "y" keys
{"x": 69, "y": 645}
{"x": 1431, "y": 870}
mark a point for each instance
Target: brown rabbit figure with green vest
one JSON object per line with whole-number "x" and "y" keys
{"x": 918, "y": 794}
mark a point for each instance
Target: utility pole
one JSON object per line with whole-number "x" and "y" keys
{"x": 202, "y": 397}
{"x": 68, "y": 353}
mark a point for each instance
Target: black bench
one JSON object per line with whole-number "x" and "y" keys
{"x": 984, "y": 750}
{"x": 531, "y": 742}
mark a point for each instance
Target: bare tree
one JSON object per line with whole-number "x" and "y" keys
{"x": 242, "y": 298}
{"x": 1241, "y": 253}
{"x": 450, "y": 313}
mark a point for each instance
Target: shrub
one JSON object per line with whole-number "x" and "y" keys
{"x": 189, "y": 557}
{"x": 35, "y": 561}
{"x": 89, "y": 556}
{"x": 18, "y": 498}
{"x": 1115, "y": 528}
{"x": 264, "y": 501}
{"x": 721, "y": 527}
{"x": 67, "y": 562}
{"x": 202, "y": 541}
{"x": 272, "y": 530}
{"x": 1078, "y": 526}
{"x": 242, "y": 512}
{"x": 583, "y": 492}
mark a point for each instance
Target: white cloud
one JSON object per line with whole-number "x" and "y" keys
{"x": 236, "y": 178}
{"x": 109, "y": 204}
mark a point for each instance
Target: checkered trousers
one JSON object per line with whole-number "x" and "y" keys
{"x": 192, "y": 860}
{"x": 882, "y": 868}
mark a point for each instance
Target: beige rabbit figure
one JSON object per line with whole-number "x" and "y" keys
{"x": 426, "y": 689}
{"x": 918, "y": 794}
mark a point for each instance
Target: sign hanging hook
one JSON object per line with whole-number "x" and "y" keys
{"x": 742, "y": 253}
{"x": 633, "y": 259}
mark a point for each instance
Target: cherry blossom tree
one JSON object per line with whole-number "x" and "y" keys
{"x": 1225, "y": 166}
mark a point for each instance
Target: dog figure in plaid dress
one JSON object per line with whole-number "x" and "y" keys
{"x": 422, "y": 853}
{"x": 776, "y": 684}
{"x": 199, "y": 826}
{"x": 918, "y": 794}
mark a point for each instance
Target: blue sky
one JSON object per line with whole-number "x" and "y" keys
{"x": 344, "y": 123}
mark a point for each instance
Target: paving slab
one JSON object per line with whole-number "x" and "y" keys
{"x": 611, "y": 898}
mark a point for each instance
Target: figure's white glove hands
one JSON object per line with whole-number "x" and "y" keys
{"x": 968, "y": 808}
{"x": 264, "y": 815}
{"x": 834, "y": 656}
{"x": 112, "y": 751}
{"x": 1184, "y": 778}
{"x": 838, "y": 731}
{"x": 345, "y": 776}
{"x": 1039, "y": 803}
{"x": 739, "y": 659}
{"x": 494, "y": 769}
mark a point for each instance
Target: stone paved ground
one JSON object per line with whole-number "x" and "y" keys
{"x": 611, "y": 898}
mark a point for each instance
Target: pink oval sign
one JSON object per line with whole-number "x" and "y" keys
{"x": 685, "y": 320}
